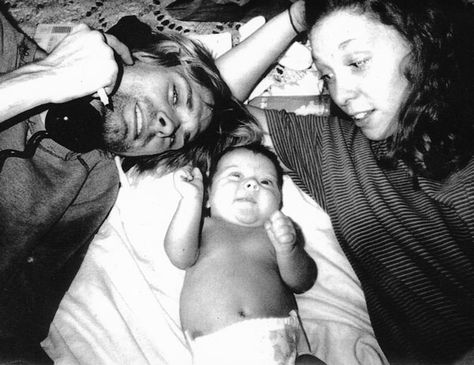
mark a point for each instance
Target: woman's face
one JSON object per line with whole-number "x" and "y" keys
{"x": 361, "y": 62}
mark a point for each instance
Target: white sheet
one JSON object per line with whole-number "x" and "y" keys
{"x": 122, "y": 307}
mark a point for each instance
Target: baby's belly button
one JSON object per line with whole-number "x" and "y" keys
{"x": 254, "y": 310}
{"x": 242, "y": 314}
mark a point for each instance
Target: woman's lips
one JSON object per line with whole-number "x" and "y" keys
{"x": 361, "y": 117}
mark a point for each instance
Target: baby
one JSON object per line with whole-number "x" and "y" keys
{"x": 243, "y": 263}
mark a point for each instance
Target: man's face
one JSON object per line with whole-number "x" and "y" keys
{"x": 155, "y": 109}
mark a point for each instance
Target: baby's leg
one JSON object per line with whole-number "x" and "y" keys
{"x": 308, "y": 359}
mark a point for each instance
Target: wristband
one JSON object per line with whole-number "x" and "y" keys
{"x": 293, "y": 24}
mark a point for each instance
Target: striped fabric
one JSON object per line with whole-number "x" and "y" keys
{"x": 412, "y": 248}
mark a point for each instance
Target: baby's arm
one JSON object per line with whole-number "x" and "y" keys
{"x": 297, "y": 269}
{"x": 182, "y": 237}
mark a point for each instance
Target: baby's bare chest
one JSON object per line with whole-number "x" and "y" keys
{"x": 235, "y": 276}
{"x": 235, "y": 262}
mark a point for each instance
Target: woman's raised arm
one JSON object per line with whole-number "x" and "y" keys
{"x": 243, "y": 66}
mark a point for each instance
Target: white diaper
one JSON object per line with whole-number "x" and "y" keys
{"x": 260, "y": 341}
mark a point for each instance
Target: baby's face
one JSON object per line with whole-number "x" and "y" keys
{"x": 244, "y": 189}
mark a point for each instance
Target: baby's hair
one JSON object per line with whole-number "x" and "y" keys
{"x": 257, "y": 149}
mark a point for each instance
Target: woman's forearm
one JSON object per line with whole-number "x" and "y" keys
{"x": 243, "y": 66}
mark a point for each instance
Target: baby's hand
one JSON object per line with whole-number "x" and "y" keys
{"x": 281, "y": 231}
{"x": 189, "y": 183}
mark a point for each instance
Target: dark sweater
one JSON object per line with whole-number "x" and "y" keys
{"x": 51, "y": 205}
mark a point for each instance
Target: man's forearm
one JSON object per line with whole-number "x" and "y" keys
{"x": 22, "y": 90}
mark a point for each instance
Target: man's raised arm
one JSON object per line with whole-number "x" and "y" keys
{"x": 81, "y": 64}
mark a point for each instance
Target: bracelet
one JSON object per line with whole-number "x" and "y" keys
{"x": 293, "y": 24}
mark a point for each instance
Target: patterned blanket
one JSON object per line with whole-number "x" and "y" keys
{"x": 103, "y": 14}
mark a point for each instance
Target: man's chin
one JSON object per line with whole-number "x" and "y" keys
{"x": 114, "y": 136}
{"x": 118, "y": 148}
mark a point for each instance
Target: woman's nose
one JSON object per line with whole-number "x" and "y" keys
{"x": 343, "y": 91}
{"x": 164, "y": 125}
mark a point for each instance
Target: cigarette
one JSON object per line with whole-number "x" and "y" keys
{"x": 103, "y": 96}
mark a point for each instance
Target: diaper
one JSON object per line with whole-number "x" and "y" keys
{"x": 260, "y": 341}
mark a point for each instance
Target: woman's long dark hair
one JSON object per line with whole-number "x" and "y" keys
{"x": 435, "y": 134}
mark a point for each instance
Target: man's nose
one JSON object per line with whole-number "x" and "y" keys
{"x": 164, "y": 125}
{"x": 251, "y": 184}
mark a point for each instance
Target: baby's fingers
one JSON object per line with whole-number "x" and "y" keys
{"x": 196, "y": 172}
{"x": 182, "y": 174}
{"x": 280, "y": 230}
{"x": 285, "y": 237}
{"x": 281, "y": 222}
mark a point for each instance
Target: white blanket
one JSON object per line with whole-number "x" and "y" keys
{"x": 122, "y": 307}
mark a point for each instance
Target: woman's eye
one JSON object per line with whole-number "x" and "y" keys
{"x": 235, "y": 175}
{"x": 327, "y": 80}
{"x": 175, "y": 96}
{"x": 266, "y": 182}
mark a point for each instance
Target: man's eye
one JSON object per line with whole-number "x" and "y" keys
{"x": 266, "y": 182}
{"x": 235, "y": 175}
{"x": 175, "y": 96}
{"x": 360, "y": 63}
